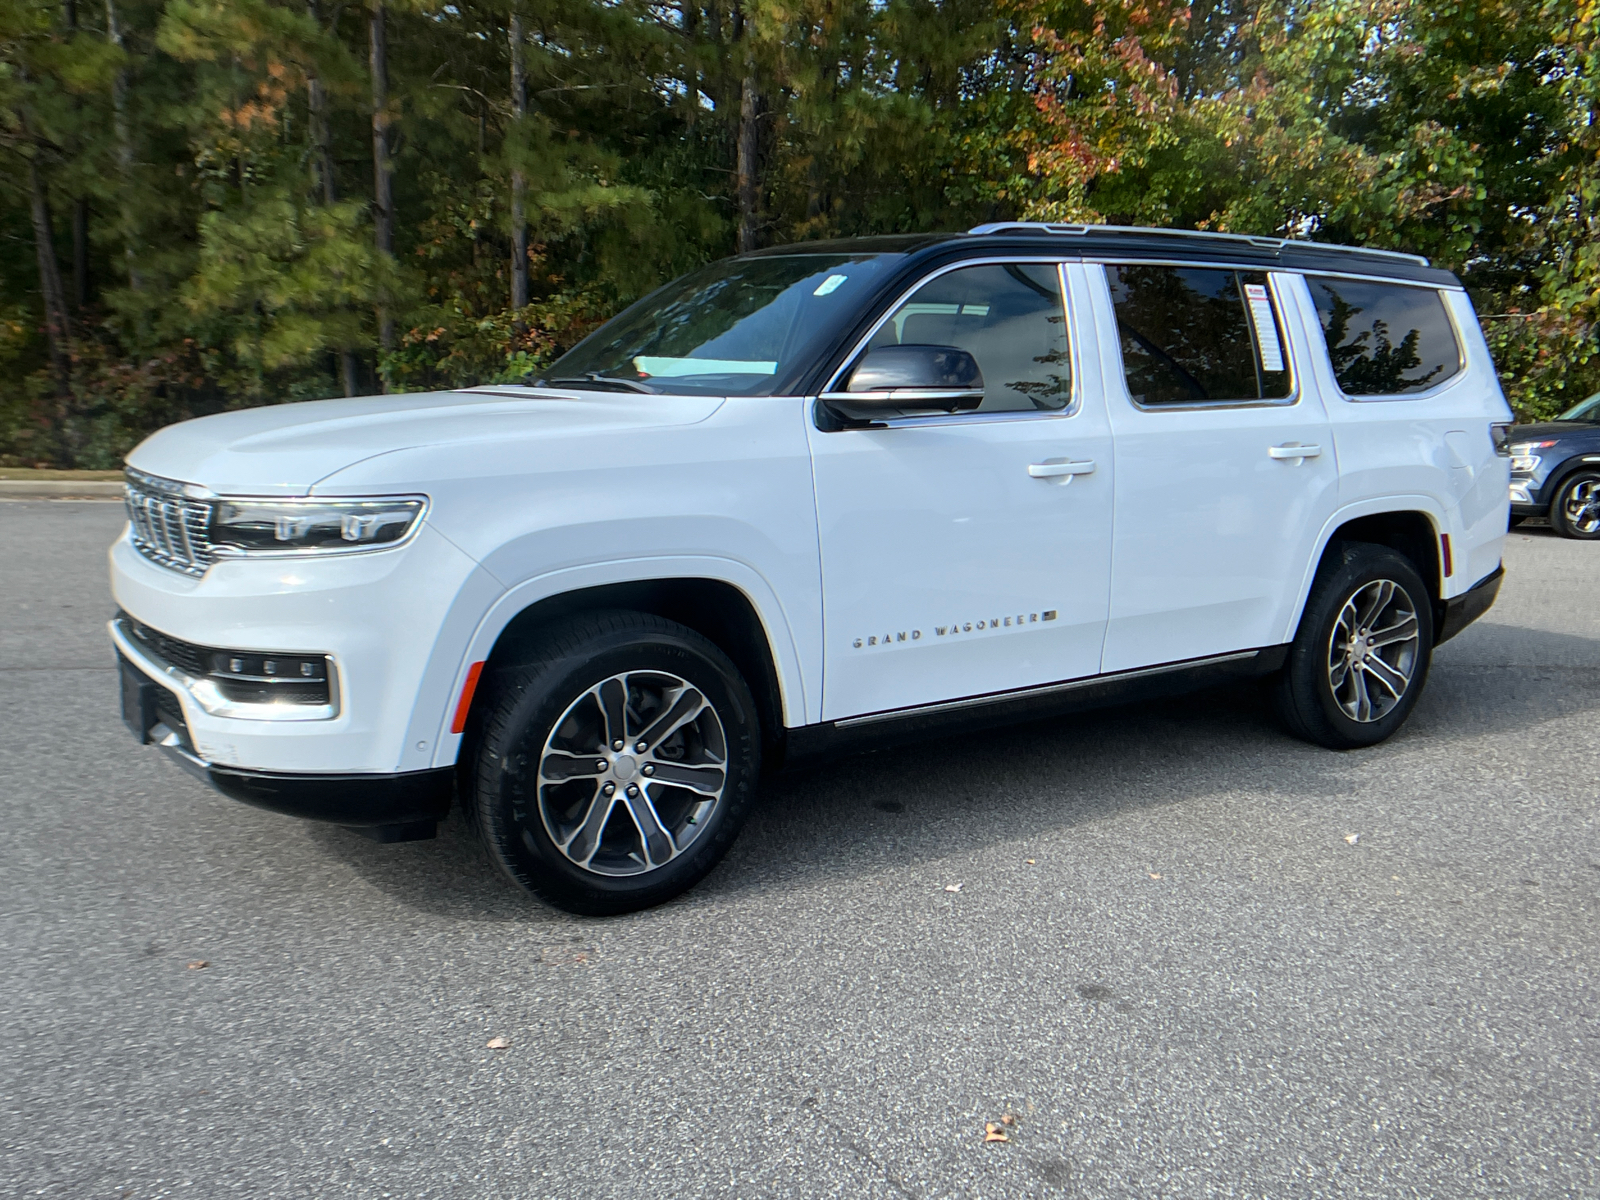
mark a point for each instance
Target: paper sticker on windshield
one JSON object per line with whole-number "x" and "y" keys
{"x": 829, "y": 284}
{"x": 1266, "y": 327}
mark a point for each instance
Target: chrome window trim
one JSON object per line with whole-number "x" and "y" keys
{"x": 209, "y": 697}
{"x": 1075, "y": 398}
{"x": 1295, "y": 390}
{"x": 1463, "y": 364}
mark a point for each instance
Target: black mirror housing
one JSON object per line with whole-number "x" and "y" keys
{"x": 910, "y": 381}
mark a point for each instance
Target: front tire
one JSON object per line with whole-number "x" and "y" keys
{"x": 1575, "y": 512}
{"x": 615, "y": 765}
{"x": 1360, "y": 658}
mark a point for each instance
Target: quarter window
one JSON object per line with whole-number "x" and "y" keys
{"x": 1010, "y": 317}
{"x": 1196, "y": 334}
{"x": 1385, "y": 339}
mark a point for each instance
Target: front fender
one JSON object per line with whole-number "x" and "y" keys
{"x": 447, "y": 674}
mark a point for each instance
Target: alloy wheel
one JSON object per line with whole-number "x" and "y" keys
{"x": 631, "y": 773}
{"x": 1580, "y": 506}
{"x": 1373, "y": 650}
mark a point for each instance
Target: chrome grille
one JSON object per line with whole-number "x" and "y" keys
{"x": 169, "y": 528}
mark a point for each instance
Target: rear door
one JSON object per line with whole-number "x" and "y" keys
{"x": 1225, "y": 465}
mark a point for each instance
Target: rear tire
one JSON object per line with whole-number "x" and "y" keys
{"x": 615, "y": 765}
{"x": 1575, "y": 512}
{"x": 1360, "y": 658}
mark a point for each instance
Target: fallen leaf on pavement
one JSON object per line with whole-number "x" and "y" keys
{"x": 993, "y": 1133}
{"x": 1031, "y": 862}
{"x": 1352, "y": 838}
{"x": 1155, "y": 874}
{"x": 496, "y": 1043}
{"x": 952, "y": 887}
{"x": 1008, "y": 1119}
{"x": 199, "y": 964}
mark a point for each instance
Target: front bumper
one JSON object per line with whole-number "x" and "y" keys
{"x": 1461, "y": 611}
{"x": 402, "y": 805}
{"x": 390, "y": 624}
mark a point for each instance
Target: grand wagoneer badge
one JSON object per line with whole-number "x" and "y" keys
{"x": 956, "y": 628}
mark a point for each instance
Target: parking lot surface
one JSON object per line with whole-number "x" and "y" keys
{"x": 1185, "y": 955}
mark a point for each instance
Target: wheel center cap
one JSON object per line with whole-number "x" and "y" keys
{"x": 624, "y": 767}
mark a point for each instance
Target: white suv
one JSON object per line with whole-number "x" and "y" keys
{"x": 817, "y": 497}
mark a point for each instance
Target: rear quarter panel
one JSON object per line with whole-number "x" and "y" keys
{"x": 1428, "y": 452}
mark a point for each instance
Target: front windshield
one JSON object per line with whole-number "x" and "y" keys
{"x": 1587, "y": 410}
{"x": 743, "y": 326}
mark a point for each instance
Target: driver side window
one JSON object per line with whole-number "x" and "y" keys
{"x": 1010, "y": 317}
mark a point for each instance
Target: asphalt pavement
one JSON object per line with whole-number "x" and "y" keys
{"x": 1187, "y": 957}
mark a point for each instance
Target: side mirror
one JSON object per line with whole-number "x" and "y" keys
{"x": 908, "y": 381}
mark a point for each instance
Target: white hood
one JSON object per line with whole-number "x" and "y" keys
{"x": 286, "y": 449}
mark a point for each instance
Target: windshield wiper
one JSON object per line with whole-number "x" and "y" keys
{"x": 594, "y": 377}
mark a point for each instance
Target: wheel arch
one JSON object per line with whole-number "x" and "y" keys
{"x": 1557, "y": 479}
{"x": 741, "y": 617}
{"x": 1411, "y": 526}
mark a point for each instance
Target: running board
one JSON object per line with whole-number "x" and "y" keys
{"x": 1042, "y": 691}
{"x": 807, "y": 744}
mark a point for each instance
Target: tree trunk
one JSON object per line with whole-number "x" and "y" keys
{"x": 382, "y": 167}
{"x": 80, "y": 251}
{"x": 124, "y": 141}
{"x": 749, "y": 133}
{"x": 690, "y": 14}
{"x": 58, "y": 322}
{"x": 519, "y": 180}
{"x": 317, "y": 112}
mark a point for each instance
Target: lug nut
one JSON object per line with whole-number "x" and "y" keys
{"x": 642, "y": 747}
{"x": 609, "y": 788}
{"x": 600, "y": 765}
{"x": 617, "y": 745}
{"x": 649, "y": 769}
{"x": 633, "y": 789}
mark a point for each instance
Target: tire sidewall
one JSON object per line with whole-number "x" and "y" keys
{"x": 508, "y": 793}
{"x": 1356, "y": 567}
{"x": 1558, "y": 515}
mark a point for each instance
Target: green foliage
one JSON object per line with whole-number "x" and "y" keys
{"x": 208, "y": 169}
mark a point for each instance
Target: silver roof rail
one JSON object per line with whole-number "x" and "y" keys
{"x": 1277, "y": 245}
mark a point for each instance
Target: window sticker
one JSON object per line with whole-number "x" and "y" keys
{"x": 829, "y": 284}
{"x": 1266, "y": 327}
{"x": 651, "y": 366}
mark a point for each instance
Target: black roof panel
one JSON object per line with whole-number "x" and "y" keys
{"x": 1112, "y": 241}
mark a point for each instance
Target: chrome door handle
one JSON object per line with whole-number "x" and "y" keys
{"x": 1055, "y": 468}
{"x": 1293, "y": 450}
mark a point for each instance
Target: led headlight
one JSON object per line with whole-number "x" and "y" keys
{"x": 280, "y": 527}
{"x": 1524, "y": 460}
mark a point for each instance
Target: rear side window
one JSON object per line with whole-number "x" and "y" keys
{"x": 1196, "y": 334}
{"x": 1385, "y": 339}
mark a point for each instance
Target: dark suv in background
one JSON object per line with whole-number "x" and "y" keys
{"x": 1555, "y": 471}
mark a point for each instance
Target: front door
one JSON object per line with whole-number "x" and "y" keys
{"x": 969, "y": 554}
{"x": 1226, "y": 470}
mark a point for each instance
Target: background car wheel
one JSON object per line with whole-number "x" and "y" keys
{"x": 1575, "y": 513}
{"x": 1361, "y": 655}
{"x": 615, "y": 768}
